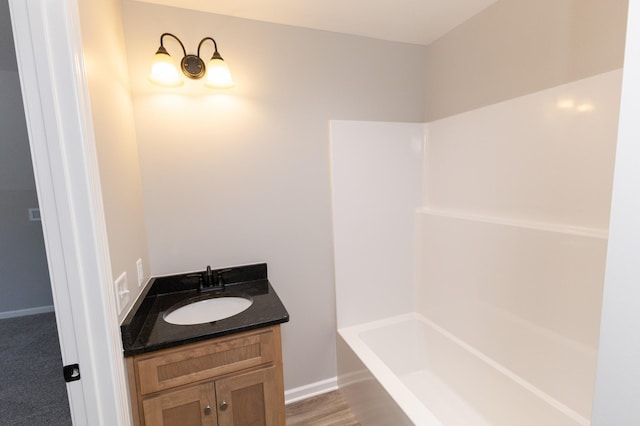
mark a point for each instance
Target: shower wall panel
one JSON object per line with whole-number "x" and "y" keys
{"x": 376, "y": 175}
{"x": 545, "y": 157}
{"x": 514, "y": 230}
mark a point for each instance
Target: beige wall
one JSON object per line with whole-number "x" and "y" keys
{"x": 108, "y": 79}
{"x": 516, "y": 47}
{"x": 243, "y": 176}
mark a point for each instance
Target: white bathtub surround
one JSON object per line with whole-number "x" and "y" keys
{"x": 546, "y": 157}
{"x": 547, "y": 278}
{"x": 376, "y": 184}
{"x": 482, "y": 305}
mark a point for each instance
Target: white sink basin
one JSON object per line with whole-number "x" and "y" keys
{"x": 208, "y": 310}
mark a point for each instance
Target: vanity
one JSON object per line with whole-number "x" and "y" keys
{"x": 226, "y": 371}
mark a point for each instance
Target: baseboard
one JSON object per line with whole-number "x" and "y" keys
{"x": 312, "y": 389}
{"x": 25, "y": 312}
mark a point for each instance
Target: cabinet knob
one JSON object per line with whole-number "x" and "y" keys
{"x": 223, "y": 405}
{"x": 207, "y": 410}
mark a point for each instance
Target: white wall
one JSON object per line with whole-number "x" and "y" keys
{"x": 243, "y": 175}
{"x": 376, "y": 178}
{"x": 113, "y": 124}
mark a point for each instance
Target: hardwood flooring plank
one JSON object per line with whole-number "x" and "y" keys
{"x": 328, "y": 409}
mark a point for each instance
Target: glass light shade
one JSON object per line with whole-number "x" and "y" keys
{"x": 164, "y": 71}
{"x": 218, "y": 75}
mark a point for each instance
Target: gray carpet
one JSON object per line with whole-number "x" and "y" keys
{"x": 32, "y": 389}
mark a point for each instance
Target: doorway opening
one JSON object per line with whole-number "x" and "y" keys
{"x": 32, "y": 387}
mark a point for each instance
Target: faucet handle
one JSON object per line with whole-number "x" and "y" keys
{"x": 220, "y": 274}
{"x": 200, "y": 278}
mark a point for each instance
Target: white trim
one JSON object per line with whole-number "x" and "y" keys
{"x": 617, "y": 382}
{"x": 312, "y": 389}
{"x": 26, "y": 312}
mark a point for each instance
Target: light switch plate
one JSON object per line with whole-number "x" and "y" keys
{"x": 140, "y": 272}
{"x": 122, "y": 292}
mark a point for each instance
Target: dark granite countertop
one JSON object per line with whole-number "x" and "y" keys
{"x": 145, "y": 330}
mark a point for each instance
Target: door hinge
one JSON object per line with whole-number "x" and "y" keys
{"x": 71, "y": 372}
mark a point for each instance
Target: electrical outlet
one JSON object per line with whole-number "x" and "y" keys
{"x": 122, "y": 292}
{"x": 140, "y": 272}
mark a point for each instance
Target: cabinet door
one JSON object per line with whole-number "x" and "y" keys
{"x": 250, "y": 399}
{"x": 192, "y": 406}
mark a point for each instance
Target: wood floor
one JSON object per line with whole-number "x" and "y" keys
{"x": 328, "y": 409}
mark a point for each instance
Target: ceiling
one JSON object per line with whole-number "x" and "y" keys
{"x": 408, "y": 21}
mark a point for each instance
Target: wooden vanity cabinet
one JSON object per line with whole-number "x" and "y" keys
{"x": 193, "y": 405}
{"x": 227, "y": 381}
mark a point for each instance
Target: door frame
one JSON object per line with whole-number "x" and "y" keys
{"x": 61, "y": 138}
{"x": 617, "y": 384}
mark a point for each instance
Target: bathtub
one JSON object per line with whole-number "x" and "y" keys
{"x": 452, "y": 309}
{"x": 407, "y": 370}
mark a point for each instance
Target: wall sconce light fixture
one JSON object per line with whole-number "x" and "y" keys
{"x": 165, "y": 73}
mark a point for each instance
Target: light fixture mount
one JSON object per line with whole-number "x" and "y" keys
{"x": 193, "y": 67}
{"x": 165, "y": 73}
